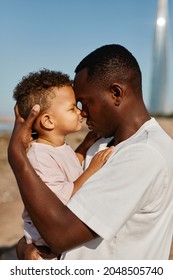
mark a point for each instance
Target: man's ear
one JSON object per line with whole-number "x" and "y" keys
{"x": 117, "y": 93}
{"x": 46, "y": 121}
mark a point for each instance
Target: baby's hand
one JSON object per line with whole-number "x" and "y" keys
{"x": 100, "y": 158}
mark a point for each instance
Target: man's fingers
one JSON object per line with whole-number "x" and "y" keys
{"x": 32, "y": 115}
{"x": 17, "y": 115}
{"x": 16, "y": 111}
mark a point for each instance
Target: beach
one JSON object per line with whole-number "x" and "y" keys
{"x": 11, "y": 205}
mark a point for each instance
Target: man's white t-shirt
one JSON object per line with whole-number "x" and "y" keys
{"x": 129, "y": 201}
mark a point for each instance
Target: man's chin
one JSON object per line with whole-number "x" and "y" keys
{"x": 100, "y": 134}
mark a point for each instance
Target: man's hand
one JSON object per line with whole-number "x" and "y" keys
{"x": 27, "y": 252}
{"x": 21, "y": 135}
{"x": 31, "y": 252}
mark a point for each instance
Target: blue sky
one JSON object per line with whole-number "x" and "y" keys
{"x": 57, "y": 34}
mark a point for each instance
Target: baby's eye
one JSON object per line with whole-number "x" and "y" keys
{"x": 73, "y": 108}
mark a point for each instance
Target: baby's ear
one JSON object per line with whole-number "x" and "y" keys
{"x": 46, "y": 121}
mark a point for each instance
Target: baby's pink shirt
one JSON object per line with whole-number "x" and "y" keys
{"x": 58, "y": 167}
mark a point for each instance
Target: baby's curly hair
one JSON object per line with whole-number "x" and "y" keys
{"x": 37, "y": 88}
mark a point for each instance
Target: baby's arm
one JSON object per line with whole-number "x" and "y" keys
{"x": 88, "y": 141}
{"x": 96, "y": 163}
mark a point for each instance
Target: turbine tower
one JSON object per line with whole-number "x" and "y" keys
{"x": 159, "y": 82}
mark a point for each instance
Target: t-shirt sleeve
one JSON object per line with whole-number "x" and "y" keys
{"x": 118, "y": 190}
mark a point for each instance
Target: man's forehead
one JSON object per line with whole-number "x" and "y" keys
{"x": 81, "y": 77}
{"x": 81, "y": 97}
{"x": 81, "y": 85}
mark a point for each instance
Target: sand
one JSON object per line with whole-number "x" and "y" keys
{"x": 11, "y": 206}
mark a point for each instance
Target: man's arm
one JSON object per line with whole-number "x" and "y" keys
{"x": 59, "y": 227}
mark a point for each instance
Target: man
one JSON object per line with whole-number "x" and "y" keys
{"x": 125, "y": 210}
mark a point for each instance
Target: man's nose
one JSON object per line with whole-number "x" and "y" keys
{"x": 84, "y": 113}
